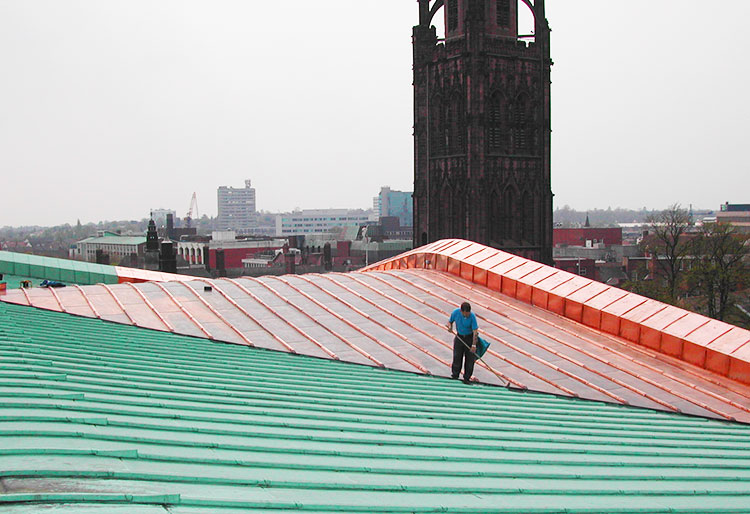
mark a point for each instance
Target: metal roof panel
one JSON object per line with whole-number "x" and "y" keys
{"x": 113, "y": 418}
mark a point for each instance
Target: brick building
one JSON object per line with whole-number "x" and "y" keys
{"x": 586, "y": 236}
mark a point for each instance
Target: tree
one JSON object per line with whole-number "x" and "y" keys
{"x": 668, "y": 246}
{"x": 719, "y": 267}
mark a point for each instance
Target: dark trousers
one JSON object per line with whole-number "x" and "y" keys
{"x": 461, "y": 352}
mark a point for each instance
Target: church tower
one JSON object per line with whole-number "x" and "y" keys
{"x": 482, "y": 127}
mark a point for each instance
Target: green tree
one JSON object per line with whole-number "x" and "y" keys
{"x": 719, "y": 267}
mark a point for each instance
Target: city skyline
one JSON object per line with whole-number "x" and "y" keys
{"x": 109, "y": 111}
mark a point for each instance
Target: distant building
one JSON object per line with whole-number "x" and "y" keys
{"x": 225, "y": 249}
{"x": 374, "y": 251}
{"x": 577, "y": 266}
{"x": 169, "y": 231}
{"x": 319, "y": 221}
{"x": 151, "y": 258}
{"x": 597, "y": 253}
{"x": 735, "y": 207}
{"x": 160, "y": 216}
{"x": 193, "y": 252}
{"x": 737, "y": 215}
{"x": 392, "y": 229}
{"x": 586, "y": 236}
{"x": 395, "y": 203}
{"x": 119, "y": 248}
{"x": 237, "y": 208}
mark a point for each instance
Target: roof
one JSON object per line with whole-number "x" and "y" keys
{"x": 75, "y": 272}
{"x": 13, "y": 281}
{"x": 102, "y": 417}
{"x": 64, "y": 270}
{"x": 639, "y": 321}
{"x": 395, "y": 318}
{"x": 115, "y": 240}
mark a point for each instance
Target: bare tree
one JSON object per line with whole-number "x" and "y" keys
{"x": 719, "y": 266}
{"x": 668, "y": 246}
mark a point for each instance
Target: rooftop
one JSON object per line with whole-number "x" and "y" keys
{"x": 74, "y": 272}
{"x": 566, "y": 335}
{"x": 115, "y": 240}
{"x": 105, "y": 417}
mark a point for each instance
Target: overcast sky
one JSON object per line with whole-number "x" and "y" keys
{"x": 108, "y": 109}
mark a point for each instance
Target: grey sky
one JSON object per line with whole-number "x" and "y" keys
{"x": 110, "y": 108}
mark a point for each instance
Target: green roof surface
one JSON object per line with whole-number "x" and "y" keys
{"x": 14, "y": 281}
{"x": 64, "y": 270}
{"x": 102, "y": 417}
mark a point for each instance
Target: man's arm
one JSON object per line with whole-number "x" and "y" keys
{"x": 450, "y": 326}
{"x": 475, "y": 332}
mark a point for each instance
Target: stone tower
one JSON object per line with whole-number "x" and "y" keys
{"x": 151, "y": 254}
{"x": 482, "y": 127}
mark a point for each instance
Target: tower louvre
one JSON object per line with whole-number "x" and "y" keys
{"x": 482, "y": 127}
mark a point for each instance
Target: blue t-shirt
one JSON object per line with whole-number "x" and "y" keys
{"x": 464, "y": 325}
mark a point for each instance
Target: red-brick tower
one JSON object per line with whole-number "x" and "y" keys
{"x": 482, "y": 127}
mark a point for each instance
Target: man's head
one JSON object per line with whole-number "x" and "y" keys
{"x": 466, "y": 309}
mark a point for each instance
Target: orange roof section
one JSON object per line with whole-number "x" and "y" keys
{"x": 693, "y": 338}
{"x": 550, "y": 331}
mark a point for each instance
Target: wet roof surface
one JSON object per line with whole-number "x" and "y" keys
{"x": 105, "y": 417}
{"x": 14, "y": 281}
{"x": 396, "y": 319}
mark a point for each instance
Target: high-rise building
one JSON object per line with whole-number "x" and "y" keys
{"x": 482, "y": 127}
{"x": 237, "y": 208}
{"x": 395, "y": 203}
{"x": 160, "y": 216}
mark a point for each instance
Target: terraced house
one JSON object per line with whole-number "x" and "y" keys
{"x": 331, "y": 393}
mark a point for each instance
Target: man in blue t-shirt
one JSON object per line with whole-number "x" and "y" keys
{"x": 465, "y": 342}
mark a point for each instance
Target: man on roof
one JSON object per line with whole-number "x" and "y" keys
{"x": 465, "y": 342}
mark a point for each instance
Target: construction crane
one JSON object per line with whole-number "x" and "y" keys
{"x": 193, "y": 207}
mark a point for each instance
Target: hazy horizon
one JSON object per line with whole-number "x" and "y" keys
{"x": 108, "y": 110}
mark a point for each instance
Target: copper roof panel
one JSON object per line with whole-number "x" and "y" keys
{"x": 730, "y": 341}
{"x": 505, "y": 265}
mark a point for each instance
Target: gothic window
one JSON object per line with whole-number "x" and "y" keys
{"x": 447, "y": 123}
{"x": 503, "y": 13}
{"x": 455, "y": 125}
{"x": 521, "y": 118}
{"x": 496, "y": 126}
{"x": 452, "y": 8}
{"x": 497, "y": 220}
{"x": 436, "y": 128}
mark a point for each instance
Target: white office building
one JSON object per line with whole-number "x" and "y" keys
{"x": 237, "y": 208}
{"x": 320, "y": 221}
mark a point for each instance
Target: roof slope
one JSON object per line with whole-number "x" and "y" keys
{"x": 52, "y": 268}
{"x": 708, "y": 343}
{"x": 113, "y": 418}
{"x": 396, "y": 319}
